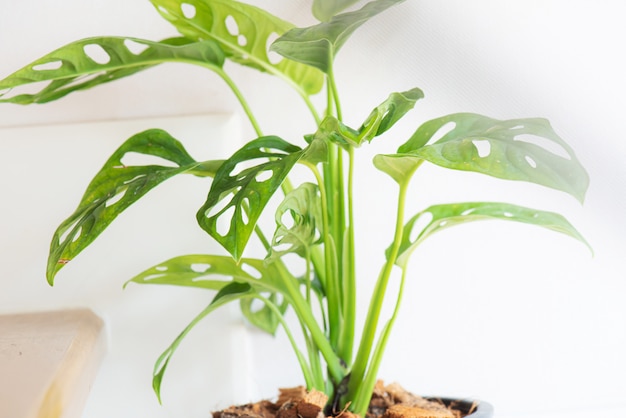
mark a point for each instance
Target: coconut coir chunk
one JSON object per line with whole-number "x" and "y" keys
{"x": 390, "y": 401}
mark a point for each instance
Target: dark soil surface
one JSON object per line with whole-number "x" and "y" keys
{"x": 390, "y": 401}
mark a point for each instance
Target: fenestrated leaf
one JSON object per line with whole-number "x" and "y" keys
{"x": 212, "y": 272}
{"x": 74, "y": 66}
{"x": 324, "y": 10}
{"x": 318, "y": 45}
{"x": 249, "y": 189}
{"x": 242, "y": 30}
{"x": 298, "y": 222}
{"x": 439, "y": 217}
{"x": 517, "y": 149}
{"x": 115, "y": 188}
{"x": 229, "y": 293}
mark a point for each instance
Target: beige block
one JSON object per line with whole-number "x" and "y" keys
{"x": 48, "y": 361}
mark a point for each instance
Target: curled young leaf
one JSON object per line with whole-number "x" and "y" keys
{"x": 385, "y": 115}
{"x": 298, "y": 221}
{"x": 116, "y": 187}
{"x": 518, "y": 149}
{"x": 381, "y": 119}
{"x": 89, "y": 62}
{"x": 243, "y": 31}
{"x": 318, "y": 45}
{"x": 438, "y": 217}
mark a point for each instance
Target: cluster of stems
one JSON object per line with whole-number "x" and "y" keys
{"x": 331, "y": 364}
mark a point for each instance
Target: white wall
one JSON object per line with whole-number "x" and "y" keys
{"x": 520, "y": 317}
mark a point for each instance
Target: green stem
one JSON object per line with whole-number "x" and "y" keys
{"x": 304, "y": 313}
{"x": 335, "y": 185}
{"x": 363, "y": 397}
{"x": 242, "y": 101}
{"x": 335, "y": 93}
{"x": 330, "y": 263}
{"x": 349, "y": 275}
{"x": 378, "y": 295}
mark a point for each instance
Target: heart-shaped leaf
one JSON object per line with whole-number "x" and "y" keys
{"x": 400, "y": 167}
{"x": 251, "y": 188}
{"x": 439, "y": 217}
{"x": 115, "y": 188}
{"x": 318, "y": 45}
{"x": 243, "y": 31}
{"x": 90, "y": 62}
{"x": 518, "y": 149}
{"x": 299, "y": 222}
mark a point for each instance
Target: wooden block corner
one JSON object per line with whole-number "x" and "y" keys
{"x": 48, "y": 361}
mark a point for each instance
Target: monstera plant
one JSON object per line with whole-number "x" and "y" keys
{"x": 315, "y": 218}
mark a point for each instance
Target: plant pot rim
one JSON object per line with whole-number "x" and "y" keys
{"x": 483, "y": 409}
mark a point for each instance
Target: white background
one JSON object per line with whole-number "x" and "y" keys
{"x": 522, "y": 318}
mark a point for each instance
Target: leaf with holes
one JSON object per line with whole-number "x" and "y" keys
{"x": 115, "y": 188}
{"x": 518, "y": 149}
{"x": 229, "y": 293}
{"x": 298, "y": 222}
{"x": 202, "y": 271}
{"x": 318, "y": 45}
{"x": 243, "y": 31}
{"x": 324, "y": 10}
{"x": 93, "y": 61}
{"x": 439, "y": 217}
{"x": 251, "y": 188}
{"x": 264, "y": 318}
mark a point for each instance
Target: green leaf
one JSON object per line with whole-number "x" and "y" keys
{"x": 298, "y": 221}
{"x": 518, "y": 149}
{"x": 73, "y": 67}
{"x": 318, "y": 45}
{"x": 201, "y": 270}
{"x": 250, "y": 188}
{"x": 242, "y": 30}
{"x": 195, "y": 270}
{"x": 439, "y": 217}
{"x": 400, "y": 167}
{"x": 115, "y": 188}
{"x": 263, "y": 318}
{"x": 333, "y": 130}
{"x": 229, "y": 293}
{"x": 381, "y": 119}
{"x": 324, "y": 10}
{"x": 385, "y": 115}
